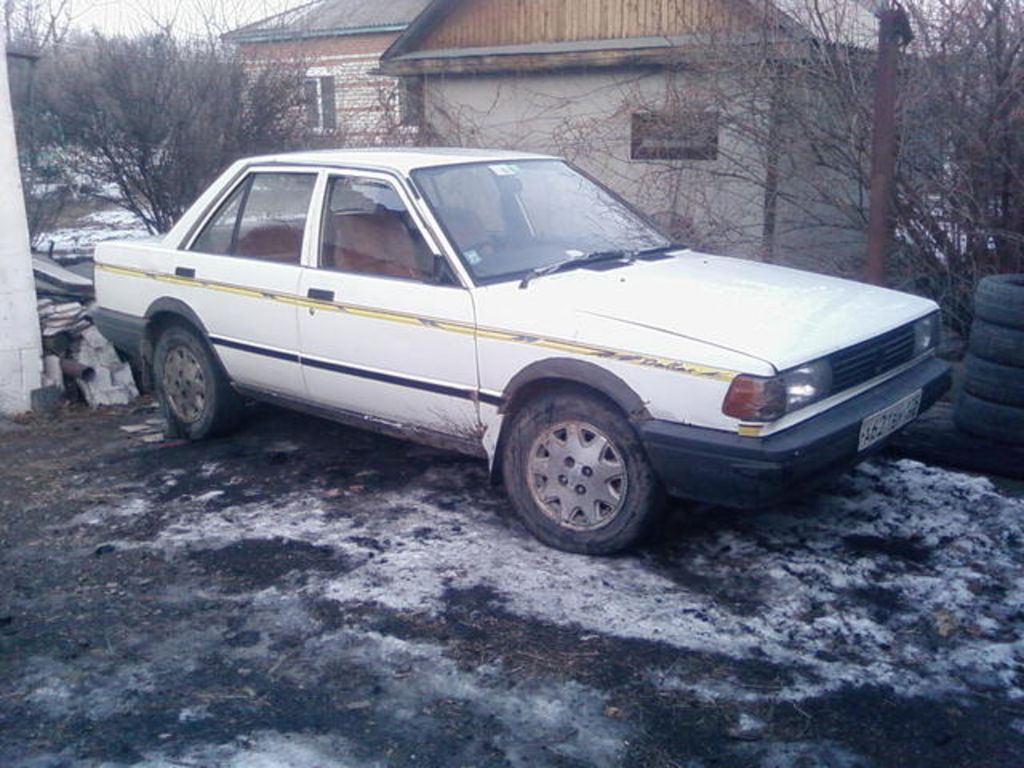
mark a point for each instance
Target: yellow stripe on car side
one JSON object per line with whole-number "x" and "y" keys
{"x": 569, "y": 347}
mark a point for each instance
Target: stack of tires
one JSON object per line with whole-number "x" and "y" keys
{"x": 992, "y": 402}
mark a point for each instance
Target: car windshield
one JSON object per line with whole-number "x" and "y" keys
{"x": 509, "y": 219}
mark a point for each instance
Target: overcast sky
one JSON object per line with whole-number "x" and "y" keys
{"x": 191, "y": 17}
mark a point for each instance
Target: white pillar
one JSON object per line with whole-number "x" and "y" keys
{"x": 20, "y": 347}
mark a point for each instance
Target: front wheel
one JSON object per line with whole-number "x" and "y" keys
{"x": 578, "y": 475}
{"x": 197, "y": 399}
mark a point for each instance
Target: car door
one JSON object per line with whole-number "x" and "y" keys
{"x": 386, "y": 333}
{"x": 241, "y": 272}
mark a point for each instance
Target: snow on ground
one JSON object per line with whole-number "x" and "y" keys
{"x": 97, "y": 227}
{"x": 267, "y": 750}
{"x": 901, "y": 575}
{"x": 533, "y": 719}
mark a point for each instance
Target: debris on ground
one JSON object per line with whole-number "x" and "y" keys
{"x": 73, "y": 348}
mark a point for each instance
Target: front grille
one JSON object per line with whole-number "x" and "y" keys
{"x": 857, "y": 364}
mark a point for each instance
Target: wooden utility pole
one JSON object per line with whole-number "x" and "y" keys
{"x": 893, "y": 32}
{"x": 20, "y": 346}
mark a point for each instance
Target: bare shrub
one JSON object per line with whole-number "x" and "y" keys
{"x": 156, "y": 118}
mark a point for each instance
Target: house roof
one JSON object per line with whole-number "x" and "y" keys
{"x": 331, "y": 18}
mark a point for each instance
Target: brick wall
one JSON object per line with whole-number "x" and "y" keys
{"x": 367, "y": 105}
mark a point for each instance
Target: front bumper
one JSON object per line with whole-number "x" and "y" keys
{"x": 724, "y": 468}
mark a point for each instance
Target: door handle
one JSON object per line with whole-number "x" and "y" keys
{"x": 184, "y": 272}
{"x": 319, "y": 294}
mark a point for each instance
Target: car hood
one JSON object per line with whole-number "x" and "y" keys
{"x": 781, "y": 316}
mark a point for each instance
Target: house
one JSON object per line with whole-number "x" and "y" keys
{"x": 339, "y": 42}
{"x": 705, "y": 113}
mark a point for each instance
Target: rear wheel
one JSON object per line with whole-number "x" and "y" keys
{"x": 578, "y": 475}
{"x": 197, "y": 399}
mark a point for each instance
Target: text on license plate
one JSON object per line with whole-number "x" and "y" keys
{"x": 888, "y": 420}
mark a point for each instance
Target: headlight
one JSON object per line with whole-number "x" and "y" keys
{"x": 759, "y": 398}
{"x": 927, "y": 331}
{"x": 806, "y": 384}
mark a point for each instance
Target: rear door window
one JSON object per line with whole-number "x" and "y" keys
{"x": 264, "y": 218}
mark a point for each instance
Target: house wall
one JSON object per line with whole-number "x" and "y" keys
{"x": 586, "y": 116}
{"x": 366, "y": 105}
{"x": 720, "y": 204}
{"x": 758, "y": 198}
{"x": 822, "y": 182}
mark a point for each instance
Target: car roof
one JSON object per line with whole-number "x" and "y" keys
{"x": 401, "y": 159}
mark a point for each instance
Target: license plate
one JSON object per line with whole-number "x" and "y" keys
{"x": 888, "y": 420}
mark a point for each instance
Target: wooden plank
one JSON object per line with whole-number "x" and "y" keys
{"x": 494, "y": 23}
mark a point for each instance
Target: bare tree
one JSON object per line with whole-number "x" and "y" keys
{"x": 34, "y": 29}
{"x": 36, "y": 24}
{"x": 960, "y": 196}
{"x": 155, "y": 118}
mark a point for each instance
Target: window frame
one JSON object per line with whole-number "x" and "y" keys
{"x": 687, "y": 149}
{"x": 315, "y": 84}
{"x": 455, "y": 256}
{"x": 244, "y": 179}
{"x": 399, "y": 187}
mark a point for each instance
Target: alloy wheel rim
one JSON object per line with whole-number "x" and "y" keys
{"x": 577, "y": 475}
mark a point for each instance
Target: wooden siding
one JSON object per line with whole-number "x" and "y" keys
{"x": 494, "y": 23}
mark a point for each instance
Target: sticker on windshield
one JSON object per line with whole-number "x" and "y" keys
{"x": 472, "y": 256}
{"x": 504, "y": 169}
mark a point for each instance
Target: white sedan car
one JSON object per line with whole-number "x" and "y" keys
{"x": 507, "y": 306}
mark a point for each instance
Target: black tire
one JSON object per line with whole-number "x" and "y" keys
{"x": 197, "y": 398}
{"x": 994, "y": 382}
{"x": 999, "y": 299}
{"x": 1002, "y": 423}
{"x": 997, "y": 344}
{"x": 615, "y": 512}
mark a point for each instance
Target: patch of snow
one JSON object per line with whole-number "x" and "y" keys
{"x": 134, "y": 506}
{"x": 60, "y": 691}
{"x": 194, "y": 714}
{"x": 904, "y": 576}
{"x": 97, "y": 227}
{"x": 799, "y": 755}
{"x": 567, "y": 719}
{"x": 265, "y": 749}
{"x": 208, "y": 496}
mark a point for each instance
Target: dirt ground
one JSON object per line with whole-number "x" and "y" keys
{"x": 303, "y": 594}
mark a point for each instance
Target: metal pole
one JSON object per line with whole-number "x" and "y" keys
{"x": 20, "y": 346}
{"x": 893, "y": 28}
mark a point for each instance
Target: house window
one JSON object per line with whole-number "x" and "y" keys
{"x": 686, "y": 135}
{"x": 410, "y": 101}
{"x": 320, "y": 102}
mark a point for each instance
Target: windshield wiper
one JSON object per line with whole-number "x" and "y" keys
{"x": 573, "y": 262}
{"x": 658, "y": 251}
